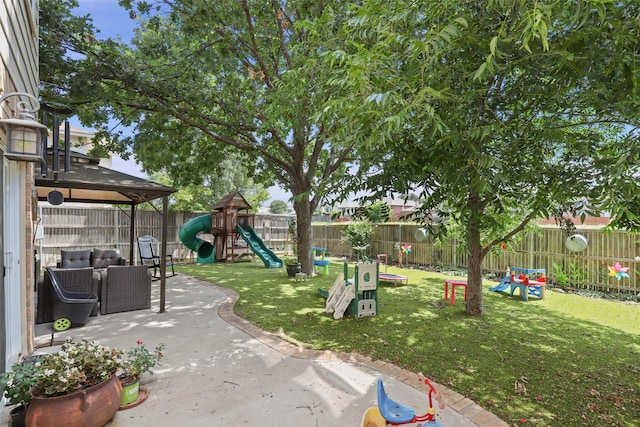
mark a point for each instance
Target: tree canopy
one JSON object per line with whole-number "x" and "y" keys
{"x": 202, "y": 80}
{"x": 204, "y": 196}
{"x": 496, "y": 112}
{"x": 278, "y": 207}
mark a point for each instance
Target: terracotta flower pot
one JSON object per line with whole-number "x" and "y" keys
{"x": 92, "y": 407}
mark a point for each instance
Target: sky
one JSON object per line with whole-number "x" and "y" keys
{"x": 112, "y": 20}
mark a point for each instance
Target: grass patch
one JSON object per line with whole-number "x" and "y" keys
{"x": 578, "y": 358}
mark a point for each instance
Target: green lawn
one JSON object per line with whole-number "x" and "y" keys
{"x": 578, "y": 358}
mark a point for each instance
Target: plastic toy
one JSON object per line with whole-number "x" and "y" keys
{"x": 358, "y": 296}
{"x": 69, "y": 308}
{"x": 520, "y": 278}
{"x": 394, "y": 413}
{"x": 405, "y": 250}
{"x": 319, "y": 260}
{"x": 618, "y": 272}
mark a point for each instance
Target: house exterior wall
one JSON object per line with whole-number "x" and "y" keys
{"x": 18, "y": 73}
{"x": 80, "y": 141}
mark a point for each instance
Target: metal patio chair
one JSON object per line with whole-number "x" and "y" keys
{"x": 148, "y": 247}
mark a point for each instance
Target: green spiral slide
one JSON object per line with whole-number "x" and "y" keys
{"x": 189, "y": 236}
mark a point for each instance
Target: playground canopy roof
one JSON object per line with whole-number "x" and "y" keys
{"x": 232, "y": 201}
{"x": 85, "y": 181}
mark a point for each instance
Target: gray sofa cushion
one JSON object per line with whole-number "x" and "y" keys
{"x": 102, "y": 258}
{"x": 75, "y": 259}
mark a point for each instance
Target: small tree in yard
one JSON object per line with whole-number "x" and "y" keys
{"x": 495, "y": 112}
{"x": 358, "y": 234}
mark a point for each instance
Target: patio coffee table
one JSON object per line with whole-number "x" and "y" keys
{"x": 388, "y": 277}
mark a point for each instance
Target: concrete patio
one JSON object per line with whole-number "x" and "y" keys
{"x": 219, "y": 370}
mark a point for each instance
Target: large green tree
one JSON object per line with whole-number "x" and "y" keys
{"x": 204, "y": 79}
{"x": 497, "y": 112}
{"x": 61, "y": 37}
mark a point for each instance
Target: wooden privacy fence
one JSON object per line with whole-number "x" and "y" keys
{"x": 586, "y": 269}
{"x": 71, "y": 228}
{"x": 92, "y": 227}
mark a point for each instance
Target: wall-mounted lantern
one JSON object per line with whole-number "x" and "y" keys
{"x": 24, "y": 133}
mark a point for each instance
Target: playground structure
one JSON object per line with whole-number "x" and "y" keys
{"x": 394, "y": 413}
{"x": 229, "y": 221}
{"x": 358, "y": 296}
{"x": 529, "y": 281}
{"x": 319, "y": 260}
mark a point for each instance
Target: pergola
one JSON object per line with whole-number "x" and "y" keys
{"x": 83, "y": 180}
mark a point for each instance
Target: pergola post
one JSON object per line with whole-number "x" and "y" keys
{"x": 132, "y": 230}
{"x": 163, "y": 252}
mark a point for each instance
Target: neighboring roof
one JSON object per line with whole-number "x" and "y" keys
{"x": 232, "y": 200}
{"x": 88, "y": 182}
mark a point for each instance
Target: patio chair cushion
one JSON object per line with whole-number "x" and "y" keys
{"x": 102, "y": 258}
{"x": 75, "y": 259}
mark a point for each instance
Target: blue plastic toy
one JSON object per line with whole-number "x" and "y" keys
{"x": 395, "y": 413}
{"x": 320, "y": 261}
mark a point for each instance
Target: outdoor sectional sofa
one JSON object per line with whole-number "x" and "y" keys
{"x": 101, "y": 272}
{"x": 98, "y": 258}
{"x": 125, "y": 288}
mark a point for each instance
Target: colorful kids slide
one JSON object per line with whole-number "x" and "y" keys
{"x": 258, "y": 247}
{"x": 189, "y": 236}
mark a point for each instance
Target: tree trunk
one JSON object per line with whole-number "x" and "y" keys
{"x": 474, "y": 272}
{"x": 474, "y": 279}
{"x": 302, "y": 207}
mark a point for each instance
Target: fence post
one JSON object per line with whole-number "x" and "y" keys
{"x": 531, "y": 251}
{"x": 326, "y": 235}
{"x": 454, "y": 255}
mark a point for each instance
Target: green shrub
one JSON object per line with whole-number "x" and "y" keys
{"x": 575, "y": 275}
{"x": 358, "y": 234}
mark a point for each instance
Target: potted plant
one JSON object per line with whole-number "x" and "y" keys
{"x": 77, "y": 384}
{"x": 137, "y": 361}
{"x": 17, "y": 385}
{"x": 292, "y": 265}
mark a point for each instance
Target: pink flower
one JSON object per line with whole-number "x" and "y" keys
{"x": 139, "y": 342}
{"x": 523, "y": 420}
{"x": 538, "y": 398}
